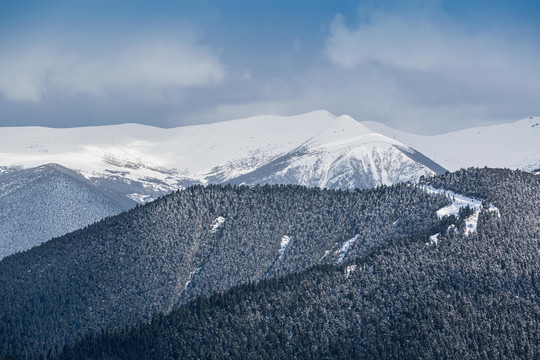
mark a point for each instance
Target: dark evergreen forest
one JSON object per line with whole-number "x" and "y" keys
{"x": 125, "y": 268}
{"x": 394, "y": 295}
{"x": 468, "y": 297}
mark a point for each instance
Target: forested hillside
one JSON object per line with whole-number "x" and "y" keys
{"x": 49, "y": 201}
{"x": 194, "y": 242}
{"x": 463, "y": 297}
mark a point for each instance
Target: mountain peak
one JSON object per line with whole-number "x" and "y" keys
{"x": 146, "y": 162}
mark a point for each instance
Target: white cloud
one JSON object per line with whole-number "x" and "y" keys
{"x": 22, "y": 77}
{"x": 30, "y": 74}
{"x": 413, "y": 66}
{"x": 431, "y": 70}
{"x": 389, "y": 40}
{"x": 430, "y": 45}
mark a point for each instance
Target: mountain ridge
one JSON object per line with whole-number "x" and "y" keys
{"x": 40, "y": 203}
{"x": 513, "y": 145}
{"x": 146, "y": 161}
{"x": 194, "y": 242}
{"x": 204, "y": 240}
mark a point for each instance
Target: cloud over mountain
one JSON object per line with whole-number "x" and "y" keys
{"x": 33, "y": 73}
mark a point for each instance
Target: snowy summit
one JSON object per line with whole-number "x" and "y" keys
{"x": 312, "y": 149}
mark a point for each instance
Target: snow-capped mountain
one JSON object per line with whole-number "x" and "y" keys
{"x": 143, "y": 162}
{"x": 513, "y": 145}
{"x": 47, "y": 201}
{"x": 344, "y": 155}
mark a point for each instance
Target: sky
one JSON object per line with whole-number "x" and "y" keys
{"x": 424, "y": 66}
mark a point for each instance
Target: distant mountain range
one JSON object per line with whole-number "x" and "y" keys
{"x": 118, "y": 166}
{"x": 513, "y": 145}
{"x": 143, "y": 162}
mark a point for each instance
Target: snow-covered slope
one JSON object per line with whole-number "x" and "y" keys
{"x": 514, "y": 145}
{"x": 41, "y": 203}
{"x": 142, "y": 162}
{"x": 344, "y": 155}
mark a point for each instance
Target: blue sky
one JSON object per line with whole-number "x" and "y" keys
{"x": 419, "y": 65}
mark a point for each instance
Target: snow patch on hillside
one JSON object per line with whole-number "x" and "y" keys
{"x": 325, "y": 255}
{"x": 217, "y": 223}
{"x": 285, "y": 240}
{"x": 349, "y": 270}
{"x": 458, "y": 202}
{"x": 434, "y": 239}
{"x": 140, "y": 198}
{"x": 342, "y": 252}
{"x": 191, "y": 275}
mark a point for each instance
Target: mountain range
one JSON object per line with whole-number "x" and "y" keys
{"x": 467, "y": 296}
{"x": 143, "y": 162}
{"x": 313, "y": 149}
{"x": 119, "y": 166}
{"x": 514, "y": 145}
{"x": 191, "y": 243}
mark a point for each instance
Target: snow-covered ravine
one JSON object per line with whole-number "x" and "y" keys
{"x": 285, "y": 240}
{"x": 458, "y": 202}
{"x": 342, "y": 252}
{"x": 191, "y": 274}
